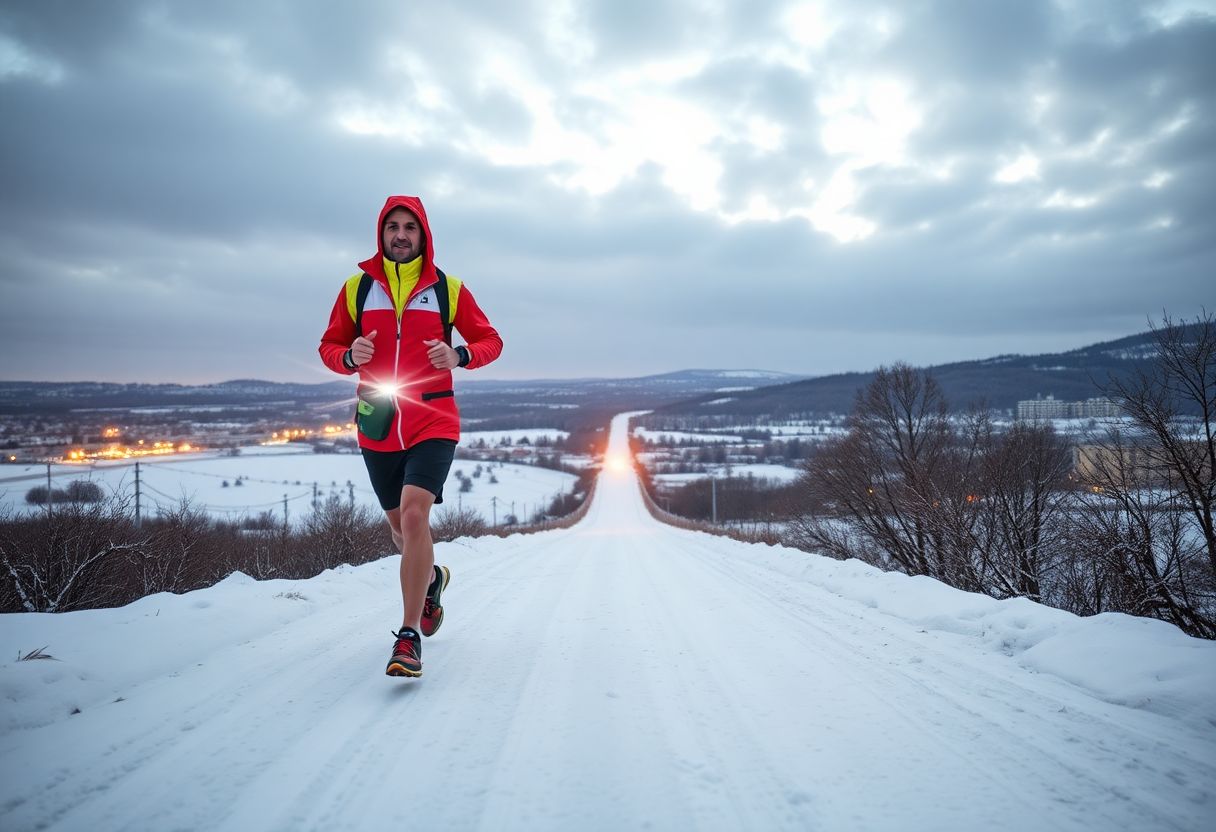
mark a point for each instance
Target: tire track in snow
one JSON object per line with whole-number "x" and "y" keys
{"x": 1039, "y": 718}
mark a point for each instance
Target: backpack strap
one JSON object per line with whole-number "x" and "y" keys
{"x": 445, "y": 305}
{"x": 441, "y": 292}
{"x": 365, "y": 286}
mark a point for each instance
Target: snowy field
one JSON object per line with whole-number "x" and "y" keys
{"x": 780, "y": 473}
{"x": 619, "y": 674}
{"x": 268, "y": 474}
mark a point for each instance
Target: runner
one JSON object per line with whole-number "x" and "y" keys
{"x": 392, "y": 325}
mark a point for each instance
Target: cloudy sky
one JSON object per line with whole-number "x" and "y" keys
{"x": 627, "y": 186}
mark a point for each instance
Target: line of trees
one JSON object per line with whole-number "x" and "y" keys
{"x": 77, "y": 491}
{"x": 1127, "y": 526}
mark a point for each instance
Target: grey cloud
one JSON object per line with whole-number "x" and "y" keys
{"x": 629, "y": 30}
{"x": 151, "y": 195}
{"x": 896, "y": 201}
{"x": 962, "y": 121}
{"x": 779, "y": 92}
{"x": 777, "y": 175}
{"x": 977, "y": 44}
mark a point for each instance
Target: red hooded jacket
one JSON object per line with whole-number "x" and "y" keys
{"x": 426, "y": 408}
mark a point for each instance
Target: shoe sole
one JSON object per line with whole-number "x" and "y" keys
{"x": 397, "y": 669}
{"x": 447, "y": 576}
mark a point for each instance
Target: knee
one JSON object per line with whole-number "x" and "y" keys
{"x": 414, "y": 519}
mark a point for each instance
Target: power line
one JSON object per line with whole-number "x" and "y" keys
{"x": 230, "y": 508}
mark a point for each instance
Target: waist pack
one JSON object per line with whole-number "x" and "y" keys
{"x": 374, "y": 414}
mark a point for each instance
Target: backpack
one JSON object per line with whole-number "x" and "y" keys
{"x": 441, "y": 290}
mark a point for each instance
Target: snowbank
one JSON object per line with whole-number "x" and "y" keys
{"x": 1137, "y": 662}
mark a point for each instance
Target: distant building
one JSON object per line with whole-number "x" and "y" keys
{"x": 1098, "y": 408}
{"x": 1052, "y": 408}
{"x": 1042, "y": 408}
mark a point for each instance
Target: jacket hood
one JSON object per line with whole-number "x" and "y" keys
{"x": 375, "y": 265}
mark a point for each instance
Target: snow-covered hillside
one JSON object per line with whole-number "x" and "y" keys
{"x": 618, "y": 674}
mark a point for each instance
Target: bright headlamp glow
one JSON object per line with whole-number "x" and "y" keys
{"x": 616, "y": 461}
{"x": 386, "y": 388}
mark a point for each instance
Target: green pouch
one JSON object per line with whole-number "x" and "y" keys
{"x": 375, "y": 414}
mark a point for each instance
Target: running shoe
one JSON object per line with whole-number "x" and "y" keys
{"x": 407, "y": 654}
{"x": 432, "y": 609}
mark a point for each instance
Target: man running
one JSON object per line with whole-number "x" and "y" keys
{"x": 392, "y": 325}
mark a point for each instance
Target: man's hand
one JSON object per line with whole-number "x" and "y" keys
{"x": 442, "y": 356}
{"x": 362, "y": 348}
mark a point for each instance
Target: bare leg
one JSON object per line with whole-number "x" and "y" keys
{"x": 410, "y": 525}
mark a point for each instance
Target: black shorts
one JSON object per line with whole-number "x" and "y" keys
{"x": 425, "y": 465}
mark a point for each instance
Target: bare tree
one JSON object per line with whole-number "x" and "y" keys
{"x": 1129, "y": 529}
{"x": 1172, "y": 404}
{"x": 883, "y": 477}
{"x": 1023, "y": 496}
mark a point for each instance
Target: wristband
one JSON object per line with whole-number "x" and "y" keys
{"x": 465, "y": 356}
{"x": 348, "y": 361}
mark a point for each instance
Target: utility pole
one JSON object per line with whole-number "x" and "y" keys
{"x": 351, "y": 485}
{"x": 138, "y": 516}
{"x": 494, "y": 509}
{"x": 284, "y": 513}
{"x": 314, "y": 495}
{"x": 713, "y": 490}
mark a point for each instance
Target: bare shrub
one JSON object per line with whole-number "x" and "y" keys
{"x": 337, "y": 532}
{"x": 176, "y": 554}
{"x": 449, "y": 523}
{"x": 68, "y": 559}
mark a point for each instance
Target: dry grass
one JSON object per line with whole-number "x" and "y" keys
{"x": 34, "y": 655}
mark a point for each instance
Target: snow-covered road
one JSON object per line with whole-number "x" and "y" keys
{"x": 619, "y": 674}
